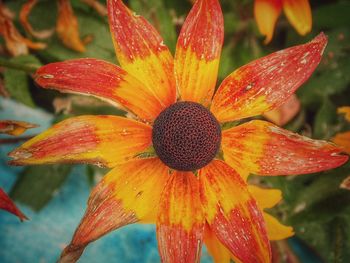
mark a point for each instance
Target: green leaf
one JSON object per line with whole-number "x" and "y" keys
{"x": 17, "y": 82}
{"x": 325, "y": 120}
{"x": 37, "y": 185}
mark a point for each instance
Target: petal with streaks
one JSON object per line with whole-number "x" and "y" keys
{"x": 298, "y": 12}
{"x": 265, "y": 198}
{"x": 15, "y": 127}
{"x": 266, "y": 83}
{"x": 7, "y": 204}
{"x": 265, "y": 149}
{"x": 141, "y": 51}
{"x": 233, "y": 214}
{"x": 216, "y": 249}
{"x": 180, "y": 222}
{"x": 266, "y": 13}
{"x": 198, "y": 52}
{"x": 100, "y": 140}
{"x": 127, "y": 194}
{"x": 276, "y": 230}
{"x": 103, "y": 80}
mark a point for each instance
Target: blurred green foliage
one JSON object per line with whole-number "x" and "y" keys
{"x": 313, "y": 204}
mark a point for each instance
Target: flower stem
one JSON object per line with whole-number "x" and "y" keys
{"x": 13, "y": 65}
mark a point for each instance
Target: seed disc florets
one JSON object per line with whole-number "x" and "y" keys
{"x": 186, "y": 136}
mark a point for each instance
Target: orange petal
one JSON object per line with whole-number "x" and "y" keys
{"x": 101, "y": 79}
{"x": 266, "y": 198}
{"x": 346, "y": 111}
{"x": 7, "y": 204}
{"x": 343, "y": 140}
{"x": 266, "y": 83}
{"x": 15, "y": 127}
{"x": 216, "y": 249}
{"x": 127, "y": 194}
{"x": 198, "y": 52}
{"x": 141, "y": 51}
{"x": 233, "y": 214}
{"x": 100, "y": 140}
{"x": 276, "y": 230}
{"x": 67, "y": 27}
{"x": 285, "y": 113}
{"x": 266, "y": 13}
{"x": 263, "y": 148}
{"x": 299, "y": 15}
{"x": 23, "y": 17}
{"x": 180, "y": 223}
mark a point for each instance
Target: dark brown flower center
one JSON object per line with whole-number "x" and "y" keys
{"x": 186, "y": 136}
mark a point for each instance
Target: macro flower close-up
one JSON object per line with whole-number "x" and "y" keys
{"x": 181, "y": 156}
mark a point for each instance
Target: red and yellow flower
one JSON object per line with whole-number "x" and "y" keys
{"x": 186, "y": 187}
{"x": 298, "y": 13}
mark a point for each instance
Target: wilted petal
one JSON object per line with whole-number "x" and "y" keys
{"x": 266, "y": 13}
{"x": 263, "y": 148}
{"x": 101, "y": 140}
{"x": 266, "y": 83}
{"x": 7, "y": 204}
{"x": 103, "y": 80}
{"x": 284, "y": 113}
{"x": 180, "y": 223}
{"x": 198, "y": 52}
{"x": 67, "y": 27}
{"x": 99, "y": 7}
{"x": 15, "y": 43}
{"x": 127, "y": 194}
{"x": 23, "y": 17}
{"x": 233, "y": 214}
{"x": 15, "y": 127}
{"x": 141, "y": 51}
{"x": 299, "y": 15}
{"x": 276, "y": 230}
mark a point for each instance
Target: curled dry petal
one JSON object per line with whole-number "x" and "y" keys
{"x": 7, "y": 204}
{"x": 265, "y": 149}
{"x": 15, "y": 43}
{"x": 127, "y": 194}
{"x": 101, "y": 140}
{"x": 266, "y": 83}
{"x": 100, "y": 8}
{"x": 67, "y": 27}
{"x": 198, "y": 52}
{"x": 15, "y": 127}
{"x": 23, "y": 18}
{"x": 180, "y": 222}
